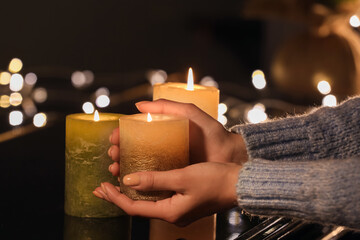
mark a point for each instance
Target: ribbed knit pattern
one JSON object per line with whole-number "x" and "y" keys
{"x": 312, "y": 166}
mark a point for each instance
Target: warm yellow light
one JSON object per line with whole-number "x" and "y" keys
{"x": 258, "y": 73}
{"x": 329, "y": 101}
{"x": 96, "y": 116}
{"x": 324, "y": 87}
{"x": 16, "y": 82}
{"x": 5, "y": 78}
{"x": 16, "y": 118}
{"x": 15, "y": 65}
{"x": 102, "y": 101}
{"x": 4, "y": 101}
{"x": 88, "y": 107}
{"x": 354, "y": 21}
{"x": 190, "y": 80}
{"x": 149, "y": 118}
{"x": 15, "y": 99}
{"x": 40, "y": 120}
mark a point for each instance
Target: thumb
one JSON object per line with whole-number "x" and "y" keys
{"x": 155, "y": 181}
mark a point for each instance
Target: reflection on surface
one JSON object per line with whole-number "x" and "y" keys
{"x": 76, "y": 228}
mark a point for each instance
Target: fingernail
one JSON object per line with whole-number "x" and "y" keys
{"x": 131, "y": 180}
{"x": 139, "y": 103}
{"x": 97, "y": 194}
{"x": 110, "y": 152}
{"x": 110, "y": 167}
{"x": 103, "y": 188}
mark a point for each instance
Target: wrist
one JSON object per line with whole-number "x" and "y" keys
{"x": 239, "y": 153}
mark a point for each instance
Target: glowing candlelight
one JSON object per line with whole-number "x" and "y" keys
{"x": 96, "y": 116}
{"x": 190, "y": 80}
{"x": 149, "y": 118}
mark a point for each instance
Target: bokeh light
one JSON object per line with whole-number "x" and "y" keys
{"x": 102, "y": 91}
{"x": 5, "y": 78}
{"x": 40, "y": 95}
{"x": 40, "y": 120}
{"x": 88, "y": 107}
{"x": 78, "y": 79}
{"x": 222, "y": 109}
{"x": 257, "y": 114}
{"x": 102, "y": 101}
{"x": 329, "y": 101}
{"x": 15, "y": 65}
{"x": 29, "y": 107}
{"x": 30, "y": 79}
{"x": 16, "y": 118}
{"x": 209, "y": 82}
{"x": 157, "y": 77}
{"x": 354, "y": 21}
{"x": 15, "y": 99}
{"x": 324, "y": 87}
{"x": 16, "y": 82}
{"x": 4, "y": 101}
{"x": 258, "y": 79}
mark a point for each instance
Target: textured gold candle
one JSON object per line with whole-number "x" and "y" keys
{"x": 87, "y": 163}
{"x": 207, "y": 99}
{"x": 158, "y": 143}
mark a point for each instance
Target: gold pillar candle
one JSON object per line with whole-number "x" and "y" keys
{"x": 157, "y": 144}
{"x": 207, "y": 99}
{"x": 87, "y": 163}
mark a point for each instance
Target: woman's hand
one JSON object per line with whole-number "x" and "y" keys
{"x": 209, "y": 141}
{"x": 200, "y": 190}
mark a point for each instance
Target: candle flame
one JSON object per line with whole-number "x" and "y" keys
{"x": 149, "y": 118}
{"x": 190, "y": 80}
{"x": 96, "y": 116}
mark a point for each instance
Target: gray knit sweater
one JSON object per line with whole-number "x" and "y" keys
{"x": 304, "y": 167}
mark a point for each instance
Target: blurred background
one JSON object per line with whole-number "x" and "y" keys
{"x": 268, "y": 58}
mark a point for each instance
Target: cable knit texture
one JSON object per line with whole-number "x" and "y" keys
{"x": 306, "y": 166}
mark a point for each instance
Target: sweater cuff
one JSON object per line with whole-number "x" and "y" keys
{"x": 288, "y": 138}
{"x": 319, "y": 191}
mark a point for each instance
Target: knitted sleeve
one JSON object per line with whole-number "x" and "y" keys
{"x": 327, "y": 132}
{"x": 325, "y": 191}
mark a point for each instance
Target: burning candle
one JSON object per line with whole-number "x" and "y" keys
{"x": 152, "y": 143}
{"x": 207, "y": 99}
{"x": 87, "y": 162}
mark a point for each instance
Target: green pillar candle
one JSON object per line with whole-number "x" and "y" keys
{"x": 87, "y": 163}
{"x": 115, "y": 228}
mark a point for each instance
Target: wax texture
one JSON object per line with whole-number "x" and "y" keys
{"x": 206, "y": 98}
{"x": 159, "y": 145}
{"x": 87, "y": 163}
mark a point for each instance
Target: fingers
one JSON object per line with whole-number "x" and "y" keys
{"x": 114, "y": 153}
{"x": 114, "y": 137}
{"x": 159, "y": 209}
{"x": 155, "y": 181}
{"x": 114, "y": 169}
{"x": 170, "y": 107}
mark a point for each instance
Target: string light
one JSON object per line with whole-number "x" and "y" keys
{"x": 102, "y": 101}
{"x": 157, "y": 77}
{"x": 88, "y": 107}
{"x": 16, "y": 118}
{"x": 329, "y": 101}
{"x": 257, "y": 114}
{"x": 4, "y": 101}
{"x": 354, "y": 21}
{"x": 5, "y": 78}
{"x": 15, "y": 99}
{"x": 324, "y": 87}
{"x": 16, "y": 82}
{"x": 30, "y": 79}
{"x": 40, "y": 95}
{"x": 15, "y": 65}
{"x": 40, "y": 120}
{"x": 258, "y": 79}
